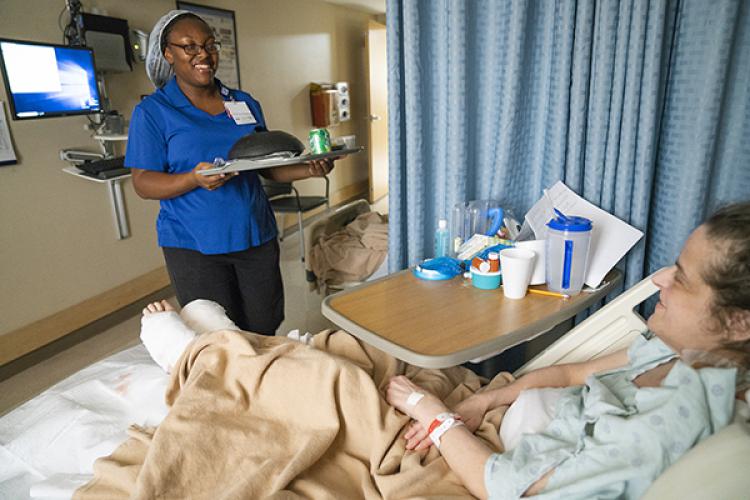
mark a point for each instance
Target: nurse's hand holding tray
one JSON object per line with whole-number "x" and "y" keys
{"x": 321, "y": 168}
{"x": 211, "y": 182}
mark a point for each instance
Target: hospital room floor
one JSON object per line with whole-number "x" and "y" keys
{"x": 302, "y": 312}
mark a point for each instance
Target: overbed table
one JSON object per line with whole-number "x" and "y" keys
{"x": 437, "y": 324}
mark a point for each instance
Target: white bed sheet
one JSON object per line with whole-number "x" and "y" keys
{"x": 49, "y": 444}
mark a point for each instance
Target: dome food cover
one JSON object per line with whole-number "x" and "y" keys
{"x": 266, "y": 143}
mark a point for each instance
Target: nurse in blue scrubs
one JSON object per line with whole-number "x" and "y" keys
{"x": 217, "y": 232}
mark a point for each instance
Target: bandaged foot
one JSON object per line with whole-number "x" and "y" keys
{"x": 204, "y": 316}
{"x": 164, "y": 334}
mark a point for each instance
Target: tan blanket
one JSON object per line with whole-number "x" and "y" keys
{"x": 258, "y": 417}
{"x": 353, "y": 253}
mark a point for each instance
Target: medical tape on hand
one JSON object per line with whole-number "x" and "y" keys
{"x": 414, "y": 398}
{"x": 442, "y": 424}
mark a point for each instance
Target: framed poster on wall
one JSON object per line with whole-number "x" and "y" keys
{"x": 225, "y": 31}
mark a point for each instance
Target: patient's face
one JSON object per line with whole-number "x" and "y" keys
{"x": 682, "y": 318}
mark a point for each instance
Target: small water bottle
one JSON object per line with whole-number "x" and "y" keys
{"x": 442, "y": 239}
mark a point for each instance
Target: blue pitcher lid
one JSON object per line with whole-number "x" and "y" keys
{"x": 570, "y": 223}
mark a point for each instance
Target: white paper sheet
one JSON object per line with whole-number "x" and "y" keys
{"x": 538, "y": 216}
{"x": 7, "y": 154}
{"x": 611, "y": 238}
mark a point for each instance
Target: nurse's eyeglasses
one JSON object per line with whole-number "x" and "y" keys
{"x": 193, "y": 49}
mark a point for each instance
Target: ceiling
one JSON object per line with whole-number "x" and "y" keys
{"x": 368, "y": 6}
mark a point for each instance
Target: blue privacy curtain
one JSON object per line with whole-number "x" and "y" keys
{"x": 640, "y": 107}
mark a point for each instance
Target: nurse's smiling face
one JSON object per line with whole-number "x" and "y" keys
{"x": 683, "y": 317}
{"x": 193, "y": 70}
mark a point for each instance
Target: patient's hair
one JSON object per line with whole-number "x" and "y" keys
{"x": 164, "y": 40}
{"x": 729, "y": 276}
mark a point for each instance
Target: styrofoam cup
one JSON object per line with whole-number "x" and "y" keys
{"x": 516, "y": 265}
{"x": 538, "y": 276}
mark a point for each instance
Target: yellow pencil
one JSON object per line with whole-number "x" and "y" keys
{"x": 547, "y": 292}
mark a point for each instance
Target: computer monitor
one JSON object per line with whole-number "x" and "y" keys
{"x": 45, "y": 80}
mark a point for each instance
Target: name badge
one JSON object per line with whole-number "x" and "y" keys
{"x": 239, "y": 112}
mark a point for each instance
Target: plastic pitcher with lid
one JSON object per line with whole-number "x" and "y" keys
{"x": 568, "y": 242}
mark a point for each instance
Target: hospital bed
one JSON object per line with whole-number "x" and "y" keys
{"x": 48, "y": 445}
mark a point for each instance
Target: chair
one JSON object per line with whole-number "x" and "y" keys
{"x": 285, "y": 198}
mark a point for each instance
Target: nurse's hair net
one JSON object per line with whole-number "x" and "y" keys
{"x": 157, "y": 68}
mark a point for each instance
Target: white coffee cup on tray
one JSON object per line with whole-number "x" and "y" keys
{"x": 516, "y": 265}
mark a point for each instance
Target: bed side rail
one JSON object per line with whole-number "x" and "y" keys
{"x": 612, "y": 327}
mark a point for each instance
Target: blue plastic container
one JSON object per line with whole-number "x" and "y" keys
{"x": 485, "y": 281}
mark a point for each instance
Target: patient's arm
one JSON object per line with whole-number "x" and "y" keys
{"x": 565, "y": 375}
{"x": 466, "y": 456}
{"x": 465, "y": 453}
{"x": 473, "y": 408}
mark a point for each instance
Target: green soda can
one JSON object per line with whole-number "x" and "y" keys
{"x": 320, "y": 141}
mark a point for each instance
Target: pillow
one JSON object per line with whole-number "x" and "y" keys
{"x": 716, "y": 468}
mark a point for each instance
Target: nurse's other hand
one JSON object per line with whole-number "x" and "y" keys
{"x": 210, "y": 182}
{"x": 320, "y": 168}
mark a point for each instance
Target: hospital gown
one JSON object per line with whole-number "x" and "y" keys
{"x": 611, "y": 439}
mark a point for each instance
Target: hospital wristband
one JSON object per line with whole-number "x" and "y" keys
{"x": 442, "y": 424}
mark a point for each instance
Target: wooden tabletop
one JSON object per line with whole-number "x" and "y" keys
{"x": 436, "y": 324}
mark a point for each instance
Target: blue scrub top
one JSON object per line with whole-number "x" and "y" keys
{"x": 168, "y": 134}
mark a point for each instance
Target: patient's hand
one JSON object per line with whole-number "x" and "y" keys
{"x": 397, "y": 394}
{"x": 472, "y": 410}
{"x": 416, "y": 437}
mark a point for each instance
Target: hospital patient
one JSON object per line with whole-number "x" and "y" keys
{"x": 608, "y": 427}
{"x": 604, "y": 428}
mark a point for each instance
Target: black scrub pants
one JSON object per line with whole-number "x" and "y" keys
{"x": 247, "y": 284}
